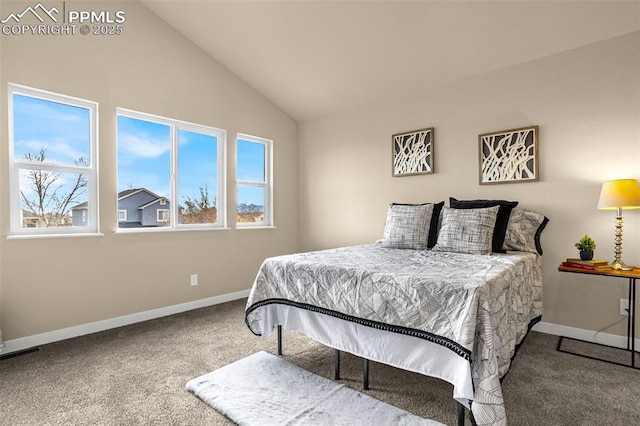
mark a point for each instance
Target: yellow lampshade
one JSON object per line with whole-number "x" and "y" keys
{"x": 620, "y": 194}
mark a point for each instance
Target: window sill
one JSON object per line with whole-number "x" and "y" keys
{"x": 39, "y": 236}
{"x": 242, "y": 228}
{"x": 165, "y": 230}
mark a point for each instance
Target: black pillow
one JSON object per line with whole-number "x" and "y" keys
{"x": 502, "y": 221}
{"x": 538, "y": 233}
{"x": 435, "y": 220}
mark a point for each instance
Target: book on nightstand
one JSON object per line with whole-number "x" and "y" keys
{"x": 590, "y": 265}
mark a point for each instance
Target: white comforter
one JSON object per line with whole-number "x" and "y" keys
{"x": 478, "y": 307}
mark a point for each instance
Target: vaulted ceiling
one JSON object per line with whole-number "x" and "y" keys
{"x": 315, "y": 58}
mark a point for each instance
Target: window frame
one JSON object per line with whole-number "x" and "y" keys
{"x": 267, "y": 184}
{"x": 15, "y": 166}
{"x": 174, "y": 127}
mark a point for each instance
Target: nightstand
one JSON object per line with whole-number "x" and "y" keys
{"x": 631, "y": 276}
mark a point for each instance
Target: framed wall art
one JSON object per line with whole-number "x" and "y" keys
{"x": 509, "y": 156}
{"x": 412, "y": 152}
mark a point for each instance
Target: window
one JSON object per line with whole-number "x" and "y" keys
{"x": 163, "y": 215}
{"x": 169, "y": 169}
{"x": 52, "y": 163}
{"x": 254, "y": 188}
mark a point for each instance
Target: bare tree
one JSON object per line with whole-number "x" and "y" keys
{"x": 199, "y": 209}
{"x": 52, "y": 201}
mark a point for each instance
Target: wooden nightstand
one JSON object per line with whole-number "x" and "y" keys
{"x": 632, "y": 276}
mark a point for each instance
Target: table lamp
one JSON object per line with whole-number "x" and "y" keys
{"x": 621, "y": 194}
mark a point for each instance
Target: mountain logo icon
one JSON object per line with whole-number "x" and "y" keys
{"x": 38, "y": 11}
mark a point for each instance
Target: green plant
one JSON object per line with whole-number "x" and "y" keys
{"x": 586, "y": 243}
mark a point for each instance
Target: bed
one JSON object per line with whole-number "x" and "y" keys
{"x": 458, "y": 314}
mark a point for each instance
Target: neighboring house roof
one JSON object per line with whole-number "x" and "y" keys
{"x": 129, "y": 192}
{"x": 144, "y": 206}
{"x": 29, "y": 214}
{"x": 125, "y": 194}
{"x": 84, "y": 205}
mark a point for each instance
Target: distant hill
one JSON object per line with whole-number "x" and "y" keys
{"x": 249, "y": 208}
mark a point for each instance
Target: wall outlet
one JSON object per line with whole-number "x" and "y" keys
{"x": 194, "y": 280}
{"x": 624, "y": 306}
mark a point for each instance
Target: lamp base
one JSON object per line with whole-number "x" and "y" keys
{"x": 619, "y": 265}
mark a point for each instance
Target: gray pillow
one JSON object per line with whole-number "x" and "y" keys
{"x": 467, "y": 230}
{"x": 523, "y": 231}
{"x": 407, "y": 226}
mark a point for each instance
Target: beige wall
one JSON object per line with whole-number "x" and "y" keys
{"x": 2, "y": 168}
{"x": 587, "y": 104}
{"x": 49, "y": 284}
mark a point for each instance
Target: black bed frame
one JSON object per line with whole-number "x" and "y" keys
{"x": 365, "y": 377}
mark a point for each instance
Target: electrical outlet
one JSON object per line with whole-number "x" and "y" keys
{"x": 624, "y": 306}
{"x": 194, "y": 279}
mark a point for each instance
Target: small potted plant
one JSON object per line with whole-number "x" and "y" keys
{"x": 586, "y": 245}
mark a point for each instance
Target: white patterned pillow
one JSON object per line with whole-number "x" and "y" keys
{"x": 467, "y": 230}
{"x": 407, "y": 226}
{"x": 523, "y": 231}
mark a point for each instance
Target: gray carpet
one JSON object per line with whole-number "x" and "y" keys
{"x": 137, "y": 375}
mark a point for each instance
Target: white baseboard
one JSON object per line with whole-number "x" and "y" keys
{"x": 93, "y": 327}
{"x": 582, "y": 334}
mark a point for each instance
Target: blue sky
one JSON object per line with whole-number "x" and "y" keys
{"x": 61, "y": 130}
{"x": 250, "y": 167}
{"x": 144, "y": 151}
{"x": 144, "y": 159}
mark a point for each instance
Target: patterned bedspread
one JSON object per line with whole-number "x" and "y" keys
{"x": 478, "y": 306}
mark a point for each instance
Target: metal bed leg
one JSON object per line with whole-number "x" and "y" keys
{"x": 336, "y": 364}
{"x": 279, "y": 340}
{"x": 365, "y": 373}
{"x": 460, "y": 421}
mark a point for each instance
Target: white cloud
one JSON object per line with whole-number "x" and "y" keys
{"x": 141, "y": 146}
{"x": 53, "y": 111}
{"x": 56, "y": 151}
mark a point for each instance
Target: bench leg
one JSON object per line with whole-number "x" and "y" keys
{"x": 336, "y": 364}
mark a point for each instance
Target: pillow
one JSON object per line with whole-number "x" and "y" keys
{"x": 523, "y": 231}
{"x": 502, "y": 219}
{"x": 433, "y": 226}
{"x": 407, "y": 226}
{"x": 467, "y": 230}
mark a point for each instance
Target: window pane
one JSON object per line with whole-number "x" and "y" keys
{"x": 50, "y": 199}
{"x": 250, "y": 161}
{"x": 197, "y": 177}
{"x": 50, "y": 132}
{"x": 144, "y": 171}
{"x": 250, "y": 204}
